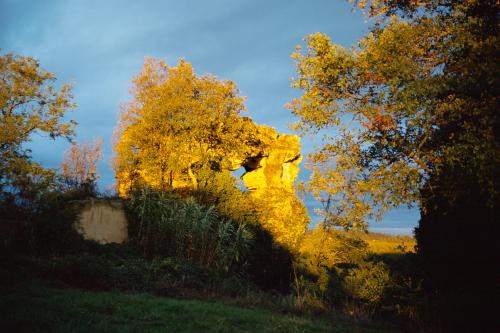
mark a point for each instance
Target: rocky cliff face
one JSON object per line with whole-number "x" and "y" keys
{"x": 270, "y": 177}
{"x": 271, "y": 164}
{"x": 275, "y": 165}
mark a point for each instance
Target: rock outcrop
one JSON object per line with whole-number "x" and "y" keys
{"x": 270, "y": 177}
{"x": 276, "y": 165}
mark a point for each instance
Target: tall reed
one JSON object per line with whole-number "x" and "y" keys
{"x": 164, "y": 225}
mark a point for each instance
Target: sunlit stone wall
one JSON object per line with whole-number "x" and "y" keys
{"x": 103, "y": 221}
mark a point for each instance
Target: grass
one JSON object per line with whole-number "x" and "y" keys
{"x": 34, "y": 307}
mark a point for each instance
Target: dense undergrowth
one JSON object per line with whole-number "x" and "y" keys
{"x": 181, "y": 247}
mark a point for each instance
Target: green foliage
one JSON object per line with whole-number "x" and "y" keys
{"x": 27, "y": 190}
{"x": 46, "y": 226}
{"x": 128, "y": 273}
{"x": 223, "y": 240}
{"x": 164, "y": 225}
{"x": 54, "y": 231}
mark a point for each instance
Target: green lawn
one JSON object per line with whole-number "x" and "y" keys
{"x": 29, "y": 307}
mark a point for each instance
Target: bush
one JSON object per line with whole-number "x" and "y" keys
{"x": 42, "y": 223}
{"x": 53, "y": 226}
{"x": 335, "y": 268}
{"x": 269, "y": 263}
{"x": 367, "y": 282}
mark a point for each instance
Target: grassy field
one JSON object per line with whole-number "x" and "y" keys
{"x": 35, "y": 307}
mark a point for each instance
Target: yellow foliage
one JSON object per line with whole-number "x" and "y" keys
{"x": 283, "y": 215}
{"x": 376, "y": 161}
{"x": 29, "y": 103}
{"x": 322, "y": 249}
{"x": 176, "y": 122}
{"x": 381, "y": 243}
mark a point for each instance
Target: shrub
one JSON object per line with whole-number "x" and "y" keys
{"x": 336, "y": 268}
{"x": 367, "y": 282}
{"x": 53, "y": 226}
{"x": 324, "y": 255}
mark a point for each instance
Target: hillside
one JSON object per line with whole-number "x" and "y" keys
{"x": 383, "y": 243}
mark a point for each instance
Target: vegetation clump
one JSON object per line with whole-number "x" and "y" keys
{"x": 166, "y": 226}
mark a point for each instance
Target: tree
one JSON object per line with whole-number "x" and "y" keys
{"x": 79, "y": 168}
{"x": 415, "y": 110}
{"x": 29, "y": 103}
{"x": 177, "y": 124}
{"x": 418, "y": 92}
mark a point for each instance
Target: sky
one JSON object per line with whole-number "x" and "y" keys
{"x": 99, "y": 46}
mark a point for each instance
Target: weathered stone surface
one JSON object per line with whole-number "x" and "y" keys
{"x": 276, "y": 165}
{"x": 103, "y": 221}
{"x": 270, "y": 178}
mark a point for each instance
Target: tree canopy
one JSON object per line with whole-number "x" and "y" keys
{"x": 417, "y": 93}
{"x": 177, "y": 123}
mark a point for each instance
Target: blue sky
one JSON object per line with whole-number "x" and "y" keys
{"x": 98, "y": 46}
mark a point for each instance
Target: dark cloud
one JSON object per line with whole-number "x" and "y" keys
{"x": 100, "y": 45}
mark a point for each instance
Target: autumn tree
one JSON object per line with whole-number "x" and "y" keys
{"x": 177, "y": 124}
{"x": 412, "y": 114}
{"x": 79, "y": 167}
{"x": 30, "y": 103}
{"x": 415, "y": 93}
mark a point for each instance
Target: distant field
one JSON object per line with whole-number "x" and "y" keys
{"x": 383, "y": 243}
{"x": 35, "y": 308}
